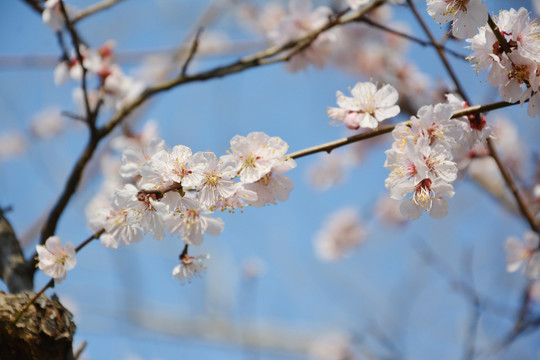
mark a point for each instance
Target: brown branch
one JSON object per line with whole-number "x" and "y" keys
{"x": 500, "y": 38}
{"x": 35, "y": 4}
{"x": 414, "y": 39}
{"x": 94, "y": 8}
{"x": 261, "y": 58}
{"x": 192, "y": 51}
{"x": 76, "y": 44}
{"x": 513, "y": 187}
{"x": 329, "y": 146}
{"x": 439, "y": 50}
{"x": 159, "y": 193}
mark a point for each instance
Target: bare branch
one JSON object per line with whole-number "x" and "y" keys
{"x": 192, "y": 51}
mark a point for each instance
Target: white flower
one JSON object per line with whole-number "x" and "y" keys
{"x": 518, "y": 253}
{"x": 165, "y": 168}
{"x": 133, "y": 158}
{"x": 466, "y": 15}
{"x": 52, "y": 14}
{"x": 217, "y": 178}
{"x": 54, "y": 259}
{"x": 144, "y": 210}
{"x": 190, "y": 267}
{"x": 254, "y": 156}
{"x": 272, "y": 187}
{"x": 341, "y": 233}
{"x": 191, "y": 222}
{"x": 367, "y": 107}
{"x": 429, "y": 196}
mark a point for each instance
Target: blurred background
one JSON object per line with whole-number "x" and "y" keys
{"x": 406, "y": 292}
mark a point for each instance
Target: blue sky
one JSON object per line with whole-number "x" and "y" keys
{"x": 126, "y": 302}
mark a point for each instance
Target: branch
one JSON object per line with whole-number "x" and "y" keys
{"x": 13, "y": 270}
{"x": 76, "y": 44}
{"x": 192, "y": 51}
{"x": 376, "y": 25}
{"x": 92, "y": 9}
{"x": 441, "y": 53}
{"x": 513, "y": 187}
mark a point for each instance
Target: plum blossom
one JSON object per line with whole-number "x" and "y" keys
{"x": 514, "y": 71}
{"x": 342, "y": 232}
{"x": 54, "y": 259}
{"x": 466, "y": 15}
{"x": 367, "y": 107}
{"x": 190, "y": 267}
{"x": 272, "y": 186}
{"x": 217, "y": 179}
{"x": 424, "y": 171}
{"x": 144, "y": 210}
{"x": 524, "y": 252}
{"x": 253, "y": 156}
{"x": 191, "y": 222}
{"x": 133, "y": 158}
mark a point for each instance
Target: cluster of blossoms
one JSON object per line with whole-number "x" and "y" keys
{"x": 513, "y": 67}
{"x": 176, "y": 191}
{"x": 422, "y": 159}
{"x": 116, "y": 87}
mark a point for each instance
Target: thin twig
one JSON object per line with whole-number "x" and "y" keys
{"x": 76, "y": 44}
{"x": 51, "y": 282}
{"x": 513, "y": 187}
{"x": 92, "y": 9}
{"x": 329, "y": 146}
{"x": 80, "y": 350}
{"x": 192, "y": 51}
{"x": 382, "y": 27}
{"x": 439, "y": 50}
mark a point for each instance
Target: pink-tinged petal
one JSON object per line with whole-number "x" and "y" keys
{"x": 351, "y": 121}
